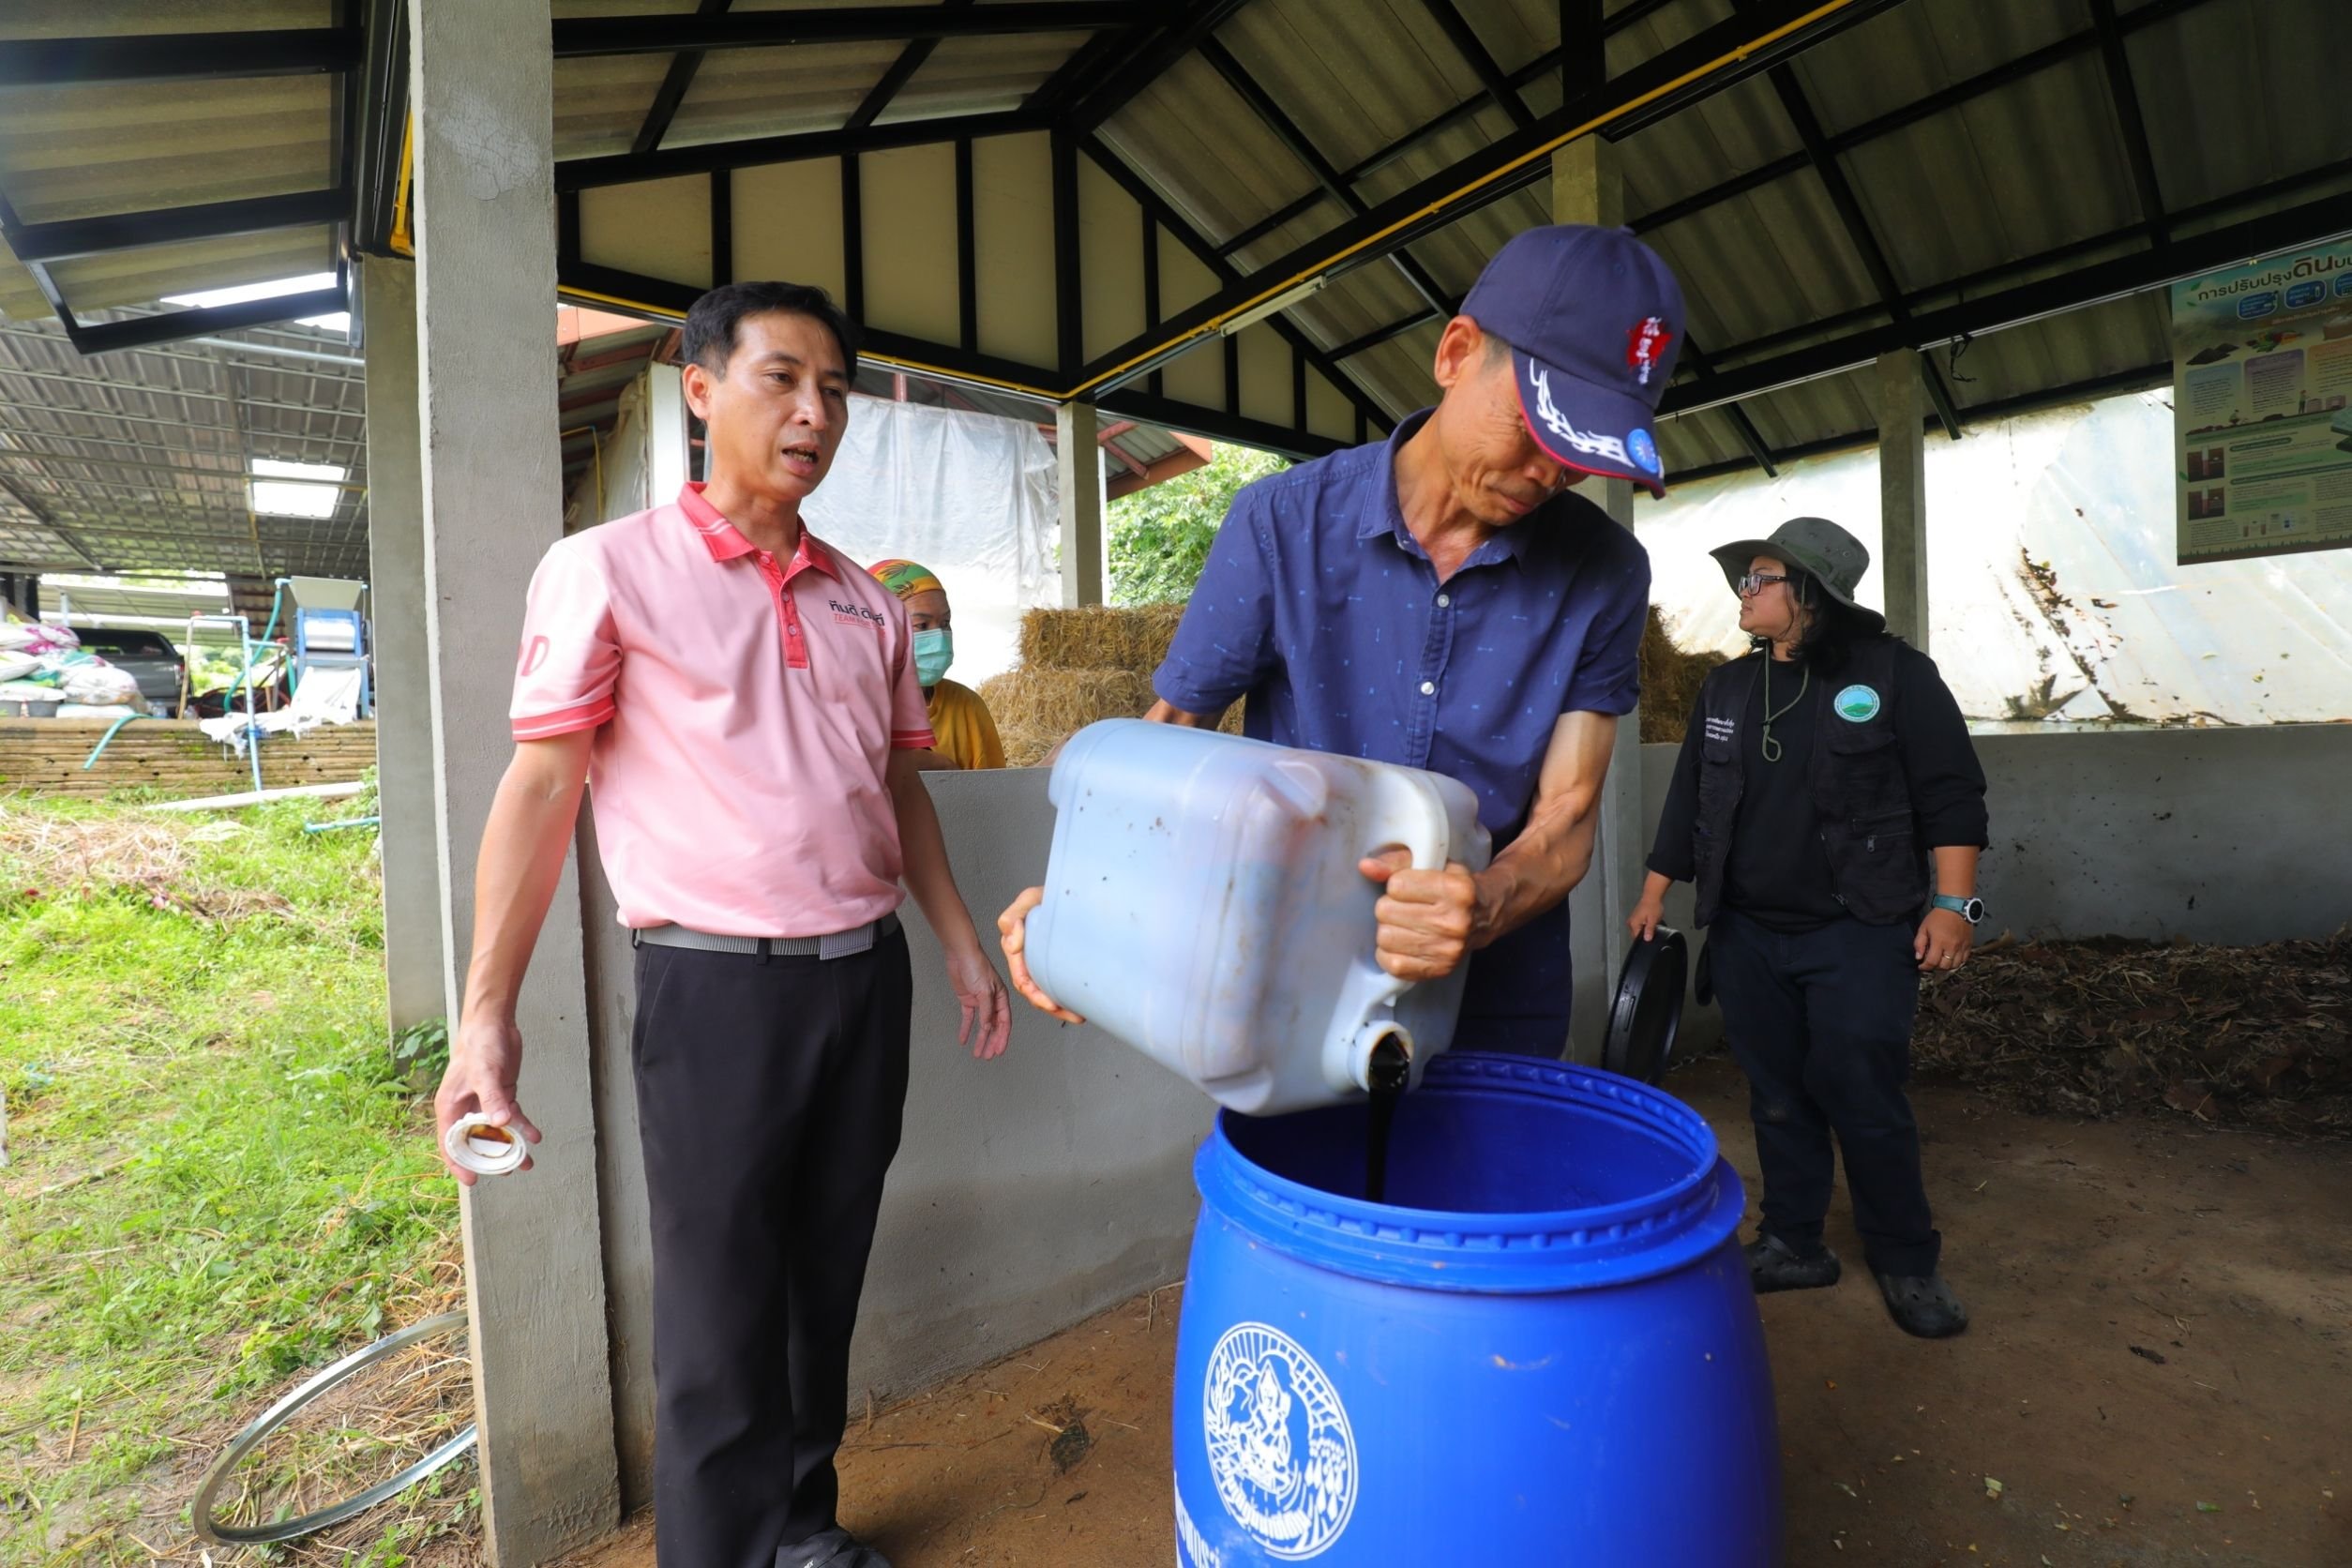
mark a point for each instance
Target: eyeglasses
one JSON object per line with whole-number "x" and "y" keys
{"x": 1756, "y": 582}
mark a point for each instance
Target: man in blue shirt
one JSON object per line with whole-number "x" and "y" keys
{"x": 1442, "y": 599}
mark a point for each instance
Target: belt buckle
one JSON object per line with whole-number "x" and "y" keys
{"x": 842, "y": 944}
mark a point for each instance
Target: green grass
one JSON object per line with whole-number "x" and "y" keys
{"x": 219, "y": 1178}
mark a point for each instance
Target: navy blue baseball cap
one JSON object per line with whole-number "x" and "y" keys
{"x": 1594, "y": 320}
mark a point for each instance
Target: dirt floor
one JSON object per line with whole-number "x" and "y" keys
{"x": 2157, "y": 1374}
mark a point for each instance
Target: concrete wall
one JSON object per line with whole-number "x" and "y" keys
{"x": 2217, "y": 836}
{"x": 1032, "y": 1191}
{"x": 1029, "y": 1193}
{"x": 2221, "y": 835}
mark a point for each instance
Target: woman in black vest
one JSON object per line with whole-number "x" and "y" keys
{"x": 1818, "y": 775}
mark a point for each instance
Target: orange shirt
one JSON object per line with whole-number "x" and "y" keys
{"x": 966, "y": 735}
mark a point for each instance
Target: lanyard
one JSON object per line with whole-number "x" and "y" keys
{"x": 1771, "y": 747}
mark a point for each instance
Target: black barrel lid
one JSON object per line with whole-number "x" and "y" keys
{"x": 1648, "y": 1008}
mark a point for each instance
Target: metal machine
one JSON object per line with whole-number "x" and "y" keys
{"x": 330, "y": 632}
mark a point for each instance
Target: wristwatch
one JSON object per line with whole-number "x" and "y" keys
{"x": 1969, "y": 910}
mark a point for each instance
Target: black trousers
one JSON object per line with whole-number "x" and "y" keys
{"x": 769, "y": 1097}
{"x": 1820, "y": 1021}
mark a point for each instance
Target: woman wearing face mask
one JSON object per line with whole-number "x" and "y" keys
{"x": 1818, "y": 775}
{"x": 966, "y": 735}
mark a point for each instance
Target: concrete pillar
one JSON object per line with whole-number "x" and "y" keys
{"x": 1588, "y": 187}
{"x": 482, "y": 86}
{"x": 1078, "y": 459}
{"x": 415, "y": 965}
{"x": 1900, "y": 396}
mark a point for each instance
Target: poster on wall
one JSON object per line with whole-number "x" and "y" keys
{"x": 2262, "y": 406}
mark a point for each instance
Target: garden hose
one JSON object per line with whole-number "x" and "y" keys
{"x": 199, "y": 1511}
{"x": 111, "y": 731}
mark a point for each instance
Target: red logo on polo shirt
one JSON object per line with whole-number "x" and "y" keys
{"x": 533, "y": 655}
{"x": 853, "y": 614}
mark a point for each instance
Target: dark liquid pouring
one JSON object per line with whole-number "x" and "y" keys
{"x": 1391, "y": 1069}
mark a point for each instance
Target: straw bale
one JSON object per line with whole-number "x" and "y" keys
{"x": 1036, "y": 710}
{"x": 1025, "y": 747}
{"x": 1099, "y": 637}
{"x": 1670, "y": 679}
{"x": 1062, "y": 701}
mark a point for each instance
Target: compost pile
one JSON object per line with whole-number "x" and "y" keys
{"x": 1078, "y": 666}
{"x": 2256, "y": 1037}
{"x": 1670, "y": 678}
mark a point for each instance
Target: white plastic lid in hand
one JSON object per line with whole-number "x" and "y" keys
{"x": 478, "y": 1144}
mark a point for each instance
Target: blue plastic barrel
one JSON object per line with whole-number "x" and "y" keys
{"x": 1543, "y": 1350}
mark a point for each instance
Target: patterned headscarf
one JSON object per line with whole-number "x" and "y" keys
{"x": 904, "y": 577}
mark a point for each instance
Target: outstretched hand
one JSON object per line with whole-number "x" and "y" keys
{"x": 1013, "y": 935}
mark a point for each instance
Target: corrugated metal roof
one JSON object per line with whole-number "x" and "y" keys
{"x": 2238, "y": 93}
{"x": 72, "y": 150}
{"x": 141, "y": 461}
{"x": 2233, "y": 91}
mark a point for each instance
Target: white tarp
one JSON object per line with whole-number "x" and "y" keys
{"x": 970, "y": 495}
{"x": 2052, "y": 588}
{"x": 325, "y": 694}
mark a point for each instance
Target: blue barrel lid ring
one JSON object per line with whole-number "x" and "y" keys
{"x": 1671, "y": 1225}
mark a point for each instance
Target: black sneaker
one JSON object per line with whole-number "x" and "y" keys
{"x": 1774, "y": 1265}
{"x": 1924, "y": 1304}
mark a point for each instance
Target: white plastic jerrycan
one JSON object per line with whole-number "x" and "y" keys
{"x": 1203, "y": 903}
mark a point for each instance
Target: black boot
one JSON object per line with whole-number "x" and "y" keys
{"x": 1924, "y": 1304}
{"x": 833, "y": 1548}
{"x": 1774, "y": 1265}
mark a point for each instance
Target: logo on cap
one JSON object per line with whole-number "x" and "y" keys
{"x": 1645, "y": 452}
{"x": 1644, "y": 342}
{"x": 1597, "y": 445}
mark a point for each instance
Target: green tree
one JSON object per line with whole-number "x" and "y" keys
{"x": 1160, "y": 536}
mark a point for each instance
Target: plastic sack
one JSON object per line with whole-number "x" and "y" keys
{"x": 20, "y": 635}
{"x": 84, "y": 677}
{"x": 27, "y": 692}
{"x": 15, "y": 664}
{"x": 98, "y": 685}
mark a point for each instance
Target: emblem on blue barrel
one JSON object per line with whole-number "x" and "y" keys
{"x": 1279, "y": 1446}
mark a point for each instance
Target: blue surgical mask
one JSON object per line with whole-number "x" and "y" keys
{"x": 934, "y": 651}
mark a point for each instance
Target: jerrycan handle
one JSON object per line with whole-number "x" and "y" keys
{"x": 1366, "y": 1041}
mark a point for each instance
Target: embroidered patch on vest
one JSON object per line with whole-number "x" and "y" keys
{"x": 1856, "y": 704}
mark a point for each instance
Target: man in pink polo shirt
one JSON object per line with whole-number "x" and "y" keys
{"x": 741, "y": 702}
